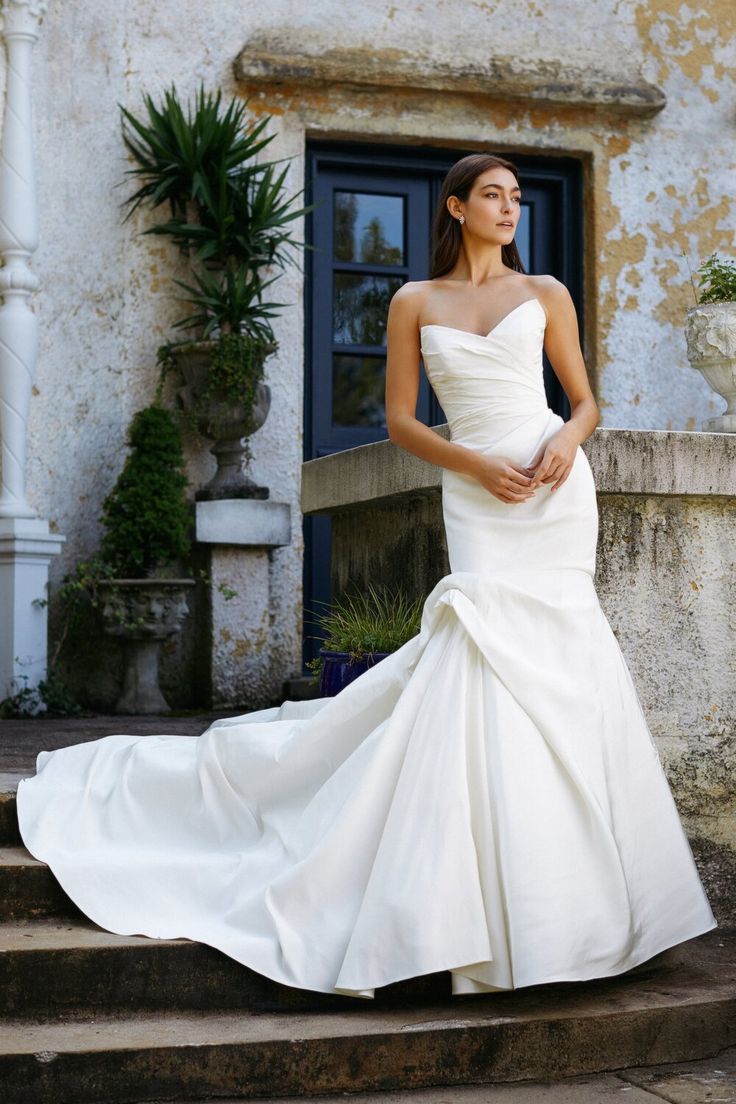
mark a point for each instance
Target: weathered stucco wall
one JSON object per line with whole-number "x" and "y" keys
{"x": 656, "y": 183}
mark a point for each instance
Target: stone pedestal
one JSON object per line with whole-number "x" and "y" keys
{"x": 238, "y": 535}
{"x": 26, "y": 548}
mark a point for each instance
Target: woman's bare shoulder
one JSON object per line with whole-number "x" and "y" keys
{"x": 411, "y": 298}
{"x": 551, "y": 293}
{"x": 412, "y": 290}
{"x": 548, "y": 287}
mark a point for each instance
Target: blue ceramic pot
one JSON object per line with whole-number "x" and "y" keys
{"x": 338, "y": 670}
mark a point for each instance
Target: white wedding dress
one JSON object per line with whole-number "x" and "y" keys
{"x": 486, "y": 800}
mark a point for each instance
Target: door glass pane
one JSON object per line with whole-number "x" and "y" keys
{"x": 369, "y": 228}
{"x": 521, "y": 237}
{"x": 358, "y": 390}
{"x": 361, "y": 306}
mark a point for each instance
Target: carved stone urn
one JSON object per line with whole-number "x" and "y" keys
{"x": 224, "y": 420}
{"x": 710, "y": 330}
{"x": 143, "y": 612}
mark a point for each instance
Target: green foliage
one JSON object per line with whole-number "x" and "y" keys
{"x": 227, "y": 213}
{"x": 717, "y": 283}
{"x": 75, "y": 642}
{"x": 229, "y": 216}
{"x": 80, "y": 589}
{"x": 147, "y": 520}
{"x": 50, "y": 697}
{"x": 82, "y": 592}
{"x": 376, "y": 620}
{"x": 230, "y": 301}
{"x": 236, "y": 369}
{"x": 146, "y": 515}
{"x": 178, "y": 156}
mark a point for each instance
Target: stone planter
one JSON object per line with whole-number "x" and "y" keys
{"x": 226, "y": 421}
{"x": 143, "y": 612}
{"x": 710, "y": 330}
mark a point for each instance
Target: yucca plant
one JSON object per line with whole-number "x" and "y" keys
{"x": 201, "y": 163}
{"x": 229, "y": 215}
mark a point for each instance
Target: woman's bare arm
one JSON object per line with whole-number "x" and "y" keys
{"x": 562, "y": 346}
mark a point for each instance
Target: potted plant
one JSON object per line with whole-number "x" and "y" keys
{"x": 710, "y": 330}
{"x": 359, "y": 630}
{"x": 147, "y": 521}
{"x": 228, "y": 215}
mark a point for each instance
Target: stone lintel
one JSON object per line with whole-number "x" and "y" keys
{"x": 291, "y": 57}
{"x": 624, "y": 461}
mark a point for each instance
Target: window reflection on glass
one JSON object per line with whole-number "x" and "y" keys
{"x": 358, "y": 391}
{"x": 369, "y": 228}
{"x": 360, "y": 307}
{"x": 521, "y": 237}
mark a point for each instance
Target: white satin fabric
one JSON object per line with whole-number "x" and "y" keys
{"x": 487, "y": 800}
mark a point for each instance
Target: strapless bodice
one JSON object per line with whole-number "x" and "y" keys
{"x": 492, "y": 390}
{"x": 489, "y": 384}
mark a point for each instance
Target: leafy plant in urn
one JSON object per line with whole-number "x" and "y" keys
{"x": 228, "y": 216}
{"x": 710, "y": 331}
{"x": 147, "y": 521}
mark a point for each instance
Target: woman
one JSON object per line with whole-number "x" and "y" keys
{"x": 486, "y": 800}
{"x": 477, "y": 281}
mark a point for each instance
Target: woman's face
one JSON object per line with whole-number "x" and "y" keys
{"x": 493, "y": 207}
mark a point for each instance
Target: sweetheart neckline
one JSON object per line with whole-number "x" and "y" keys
{"x": 483, "y": 337}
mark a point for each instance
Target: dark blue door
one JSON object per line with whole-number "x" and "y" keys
{"x": 370, "y": 230}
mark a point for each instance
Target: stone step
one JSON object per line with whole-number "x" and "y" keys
{"x": 52, "y": 965}
{"x": 9, "y": 834}
{"x": 130, "y": 1018}
{"x": 543, "y": 1032}
{"x": 28, "y": 889}
{"x": 707, "y": 1079}
{"x": 73, "y": 967}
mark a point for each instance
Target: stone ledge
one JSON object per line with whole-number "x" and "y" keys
{"x": 624, "y": 461}
{"x": 248, "y": 522}
{"x": 298, "y": 57}
{"x": 21, "y": 538}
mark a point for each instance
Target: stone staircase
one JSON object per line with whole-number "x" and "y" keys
{"x": 89, "y": 1017}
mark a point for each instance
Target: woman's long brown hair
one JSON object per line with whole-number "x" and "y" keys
{"x": 446, "y": 231}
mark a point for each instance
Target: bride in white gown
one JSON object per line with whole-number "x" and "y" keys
{"x": 488, "y": 799}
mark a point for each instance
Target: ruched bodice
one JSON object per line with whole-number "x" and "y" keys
{"x": 489, "y": 385}
{"x": 492, "y": 390}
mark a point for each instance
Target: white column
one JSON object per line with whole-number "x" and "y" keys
{"x": 26, "y": 545}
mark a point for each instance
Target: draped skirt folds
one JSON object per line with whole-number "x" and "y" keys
{"x": 486, "y": 800}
